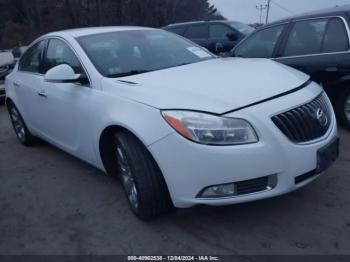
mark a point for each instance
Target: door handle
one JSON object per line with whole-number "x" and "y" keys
{"x": 15, "y": 84}
{"x": 42, "y": 94}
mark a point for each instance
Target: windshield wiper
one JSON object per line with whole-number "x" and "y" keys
{"x": 129, "y": 73}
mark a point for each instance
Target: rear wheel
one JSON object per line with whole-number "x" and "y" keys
{"x": 143, "y": 183}
{"x": 21, "y": 130}
{"x": 343, "y": 107}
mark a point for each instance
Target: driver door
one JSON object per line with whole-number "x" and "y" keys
{"x": 64, "y": 105}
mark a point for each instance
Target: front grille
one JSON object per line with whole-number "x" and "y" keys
{"x": 307, "y": 176}
{"x": 2, "y": 91}
{"x": 306, "y": 123}
{"x": 252, "y": 186}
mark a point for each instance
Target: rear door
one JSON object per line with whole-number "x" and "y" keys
{"x": 317, "y": 47}
{"x": 27, "y": 85}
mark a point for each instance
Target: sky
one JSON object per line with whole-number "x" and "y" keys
{"x": 245, "y": 10}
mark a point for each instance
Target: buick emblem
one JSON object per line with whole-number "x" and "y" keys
{"x": 321, "y": 117}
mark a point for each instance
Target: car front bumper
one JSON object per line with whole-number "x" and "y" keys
{"x": 188, "y": 167}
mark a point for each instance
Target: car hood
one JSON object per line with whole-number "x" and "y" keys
{"x": 217, "y": 86}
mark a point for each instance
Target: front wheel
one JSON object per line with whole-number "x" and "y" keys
{"x": 21, "y": 130}
{"x": 343, "y": 107}
{"x": 141, "y": 178}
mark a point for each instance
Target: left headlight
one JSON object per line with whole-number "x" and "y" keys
{"x": 210, "y": 129}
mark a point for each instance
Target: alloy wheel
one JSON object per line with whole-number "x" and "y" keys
{"x": 18, "y": 124}
{"x": 127, "y": 178}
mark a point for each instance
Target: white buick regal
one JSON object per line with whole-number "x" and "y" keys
{"x": 180, "y": 126}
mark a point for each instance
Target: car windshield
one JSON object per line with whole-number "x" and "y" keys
{"x": 242, "y": 28}
{"x": 131, "y": 52}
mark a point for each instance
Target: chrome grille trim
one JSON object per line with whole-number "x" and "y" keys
{"x": 306, "y": 123}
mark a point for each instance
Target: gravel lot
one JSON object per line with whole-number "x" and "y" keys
{"x": 52, "y": 203}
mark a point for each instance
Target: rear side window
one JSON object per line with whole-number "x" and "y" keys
{"x": 261, "y": 44}
{"x": 306, "y": 37}
{"x": 58, "y": 52}
{"x": 177, "y": 30}
{"x": 317, "y": 36}
{"x": 32, "y": 59}
{"x": 197, "y": 32}
{"x": 336, "y": 38}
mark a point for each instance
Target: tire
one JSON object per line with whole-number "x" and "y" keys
{"x": 343, "y": 107}
{"x": 141, "y": 178}
{"x": 20, "y": 128}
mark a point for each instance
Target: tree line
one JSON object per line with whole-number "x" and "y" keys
{"x": 24, "y": 20}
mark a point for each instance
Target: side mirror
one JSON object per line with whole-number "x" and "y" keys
{"x": 232, "y": 36}
{"x": 64, "y": 74}
{"x": 219, "y": 48}
{"x": 6, "y": 59}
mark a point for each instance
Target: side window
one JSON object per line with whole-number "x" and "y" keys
{"x": 197, "y": 32}
{"x": 58, "y": 52}
{"x": 306, "y": 37}
{"x": 219, "y": 31}
{"x": 336, "y": 38}
{"x": 177, "y": 30}
{"x": 32, "y": 59}
{"x": 261, "y": 44}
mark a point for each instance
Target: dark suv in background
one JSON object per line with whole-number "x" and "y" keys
{"x": 316, "y": 43}
{"x": 216, "y": 36}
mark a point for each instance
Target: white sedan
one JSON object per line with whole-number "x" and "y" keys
{"x": 179, "y": 125}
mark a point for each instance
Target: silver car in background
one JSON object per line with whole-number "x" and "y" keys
{"x": 6, "y": 60}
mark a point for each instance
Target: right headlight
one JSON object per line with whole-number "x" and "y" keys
{"x": 210, "y": 129}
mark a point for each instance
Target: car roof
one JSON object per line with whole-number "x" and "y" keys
{"x": 196, "y": 22}
{"x": 79, "y": 32}
{"x": 317, "y": 13}
{"x": 186, "y": 23}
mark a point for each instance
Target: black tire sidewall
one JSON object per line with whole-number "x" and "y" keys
{"x": 340, "y": 107}
{"x": 152, "y": 192}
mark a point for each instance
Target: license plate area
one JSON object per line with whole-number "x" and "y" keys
{"x": 327, "y": 155}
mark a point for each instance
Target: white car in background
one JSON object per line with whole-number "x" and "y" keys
{"x": 180, "y": 126}
{"x": 6, "y": 59}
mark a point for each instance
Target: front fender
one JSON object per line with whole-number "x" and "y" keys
{"x": 143, "y": 121}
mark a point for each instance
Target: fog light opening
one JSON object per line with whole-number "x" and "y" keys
{"x": 218, "y": 191}
{"x": 246, "y": 187}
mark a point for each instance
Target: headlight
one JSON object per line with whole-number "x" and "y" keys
{"x": 209, "y": 129}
